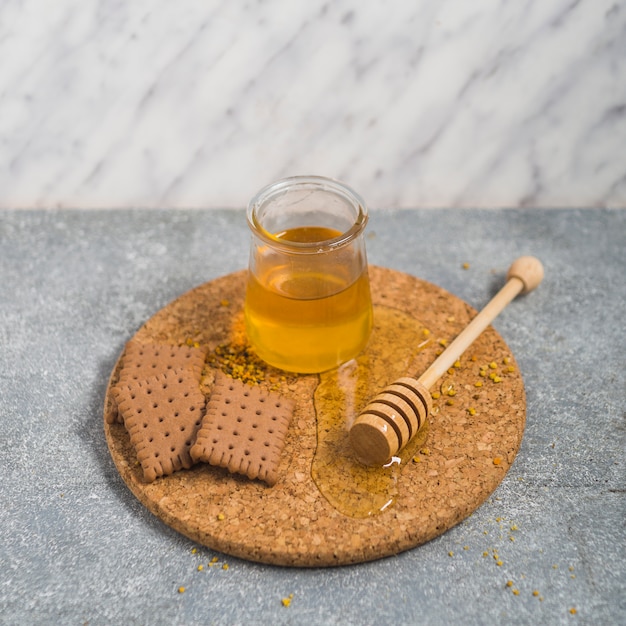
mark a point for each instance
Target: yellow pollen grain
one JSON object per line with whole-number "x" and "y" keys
{"x": 221, "y": 517}
{"x": 493, "y": 365}
{"x": 435, "y": 395}
{"x": 465, "y": 266}
{"x": 471, "y": 411}
{"x": 497, "y": 460}
{"x": 478, "y": 383}
{"x": 181, "y": 590}
{"x": 200, "y": 568}
{"x": 509, "y": 583}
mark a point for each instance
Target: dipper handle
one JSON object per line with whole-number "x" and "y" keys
{"x": 393, "y": 416}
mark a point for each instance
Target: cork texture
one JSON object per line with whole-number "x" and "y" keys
{"x": 468, "y": 444}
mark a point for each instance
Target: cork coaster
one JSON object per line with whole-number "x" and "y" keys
{"x": 324, "y": 509}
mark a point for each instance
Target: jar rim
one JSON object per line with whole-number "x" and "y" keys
{"x": 314, "y": 182}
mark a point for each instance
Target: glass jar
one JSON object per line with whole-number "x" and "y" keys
{"x": 308, "y": 305}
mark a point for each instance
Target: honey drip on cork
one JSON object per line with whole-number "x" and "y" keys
{"x": 354, "y": 489}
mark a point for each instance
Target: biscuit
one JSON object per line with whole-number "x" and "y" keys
{"x": 162, "y": 415}
{"x": 243, "y": 429}
{"x": 140, "y": 361}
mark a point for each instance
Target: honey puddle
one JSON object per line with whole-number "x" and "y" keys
{"x": 349, "y": 486}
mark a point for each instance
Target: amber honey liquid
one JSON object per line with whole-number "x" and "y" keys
{"x": 308, "y": 321}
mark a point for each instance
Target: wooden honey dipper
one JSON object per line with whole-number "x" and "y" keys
{"x": 394, "y": 416}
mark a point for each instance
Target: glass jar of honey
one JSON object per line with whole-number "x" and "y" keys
{"x": 308, "y": 306}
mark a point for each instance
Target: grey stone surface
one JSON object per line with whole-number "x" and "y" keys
{"x": 76, "y": 547}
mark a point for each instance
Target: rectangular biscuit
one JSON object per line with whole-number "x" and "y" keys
{"x": 143, "y": 360}
{"x": 243, "y": 429}
{"x": 162, "y": 415}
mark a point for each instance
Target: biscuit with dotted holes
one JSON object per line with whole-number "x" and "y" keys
{"x": 162, "y": 415}
{"x": 243, "y": 429}
{"x": 140, "y": 361}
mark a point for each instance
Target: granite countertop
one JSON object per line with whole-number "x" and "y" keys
{"x": 77, "y": 547}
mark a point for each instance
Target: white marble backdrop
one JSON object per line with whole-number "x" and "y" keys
{"x": 198, "y": 103}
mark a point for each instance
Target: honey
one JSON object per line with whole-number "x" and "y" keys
{"x": 304, "y": 320}
{"x": 349, "y": 486}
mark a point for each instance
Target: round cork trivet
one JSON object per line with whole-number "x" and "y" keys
{"x": 472, "y": 437}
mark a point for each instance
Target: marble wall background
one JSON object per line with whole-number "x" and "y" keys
{"x": 198, "y": 103}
